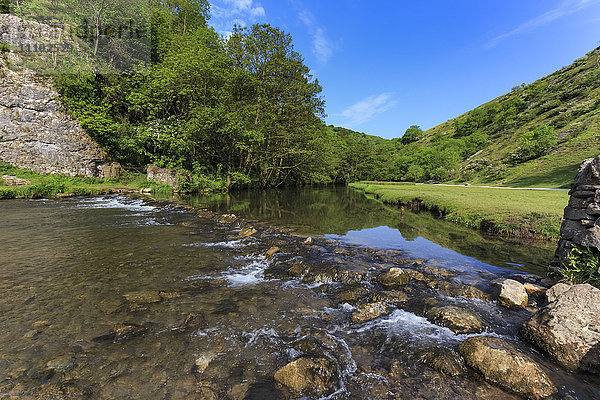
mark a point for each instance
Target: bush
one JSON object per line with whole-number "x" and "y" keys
{"x": 534, "y": 144}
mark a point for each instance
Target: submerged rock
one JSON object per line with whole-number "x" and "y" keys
{"x": 316, "y": 275}
{"x": 368, "y": 312}
{"x": 456, "y": 289}
{"x": 122, "y": 333}
{"x": 395, "y": 277}
{"x": 246, "y": 232}
{"x": 143, "y": 297}
{"x": 457, "y": 319}
{"x": 298, "y": 270}
{"x": 569, "y": 328}
{"x": 505, "y": 366}
{"x": 393, "y": 297}
{"x": 434, "y": 270}
{"x": 62, "y": 364}
{"x": 416, "y": 275}
{"x": 354, "y": 294}
{"x": 227, "y": 218}
{"x": 272, "y": 251}
{"x": 444, "y": 360}
{"x": 191, "y": 322}
{"x": 511, "y": 293}
{"x": 202, "y": 362}
{"x": 308, "y": 376}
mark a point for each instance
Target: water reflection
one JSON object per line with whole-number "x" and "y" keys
{"x": 343, "y": 211}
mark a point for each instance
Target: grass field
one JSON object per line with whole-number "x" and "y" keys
{"x": 53, "y": 185}
{"x": 508, "y": 212}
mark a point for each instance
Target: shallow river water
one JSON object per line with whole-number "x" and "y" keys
{"x": 123, "y": 298}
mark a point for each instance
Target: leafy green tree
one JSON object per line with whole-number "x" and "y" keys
{"x": 415, "y": 173}
{"x": 412, "y": 134}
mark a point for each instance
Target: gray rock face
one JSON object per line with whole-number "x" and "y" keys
{"x": 555, "y": 291}
{"x": 579, "y": 225}
{"x": 165, "y": 176}
{"x": 34, "y": 132}
{"x": 569, "y": 328}
{"x": 505, "y": 366}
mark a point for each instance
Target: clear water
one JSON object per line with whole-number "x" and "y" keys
{"x": 95, "y": 292}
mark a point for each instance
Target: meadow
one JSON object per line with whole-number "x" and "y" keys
{"x": 505, "y": 211}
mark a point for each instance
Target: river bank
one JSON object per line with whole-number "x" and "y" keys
{"x": 25, "y": 184}
{"x": 205, "y": 304}
{"x": 509, "y": 213}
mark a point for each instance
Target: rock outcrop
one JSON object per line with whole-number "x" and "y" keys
{"x": 569, "y": 328}
{"x": 34, "y": 132}
{"x": 505, "y": 366}
{"x": 169, "y": 177}
{"x": 581, "y": 224}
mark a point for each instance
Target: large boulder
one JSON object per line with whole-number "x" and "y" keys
{"x": 569, "y": 328}
{"x": 505, "y": 366}
{"x": 457, "y": 319}
{"x": 555, "y": 291}
{"x": 308, "y": 376}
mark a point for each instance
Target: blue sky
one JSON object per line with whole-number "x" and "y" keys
{"x": 386, "y": 65}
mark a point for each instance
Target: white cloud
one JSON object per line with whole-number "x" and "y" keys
{"x": 226, "y": 13}
{"x": 321, "y": 46}
{"x": 366, "y": 109}
{"x": 565, "y": 8}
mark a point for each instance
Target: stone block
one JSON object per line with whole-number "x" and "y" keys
{"x": 575, "y": 214}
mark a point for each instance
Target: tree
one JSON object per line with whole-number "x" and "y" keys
{"x": 283, "y": 100}
{"x": 412, "y": 134}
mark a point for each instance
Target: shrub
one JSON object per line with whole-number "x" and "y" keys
{"x": 534, "y": 144}
{"x": 583, "y": 266}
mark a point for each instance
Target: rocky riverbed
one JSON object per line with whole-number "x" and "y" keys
{"x": 116, "y": 297}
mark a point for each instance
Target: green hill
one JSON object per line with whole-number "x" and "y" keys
{"x": 495, "y": 143}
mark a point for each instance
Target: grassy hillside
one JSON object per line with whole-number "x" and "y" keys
{"x": 568, "y": 101}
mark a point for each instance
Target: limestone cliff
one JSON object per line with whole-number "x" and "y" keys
{"x": 34, "y": 132}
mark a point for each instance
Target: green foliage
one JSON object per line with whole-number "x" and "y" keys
{"x": 583, "y": 266}
{"x": 465, "y": 127}
{"x": 534, "y": 144}
{"x": 412, "y": 134}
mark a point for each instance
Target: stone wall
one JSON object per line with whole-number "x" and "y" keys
{"x": 581, "y": 223}
{"x": 34, "y": 132}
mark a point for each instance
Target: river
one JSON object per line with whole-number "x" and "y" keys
{"x": 115, "y": 297}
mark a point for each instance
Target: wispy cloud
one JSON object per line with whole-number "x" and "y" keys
{"x": 321, "y": 45}
{"x": 366, "y": 109}
{"x": 226, "y": 13}
{"x": 565, "y": 8}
